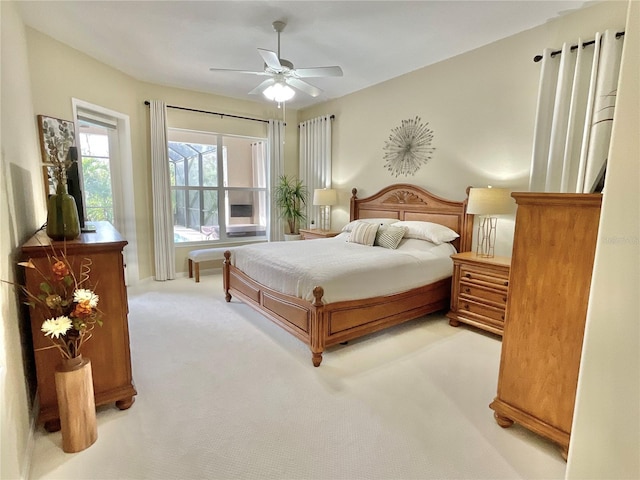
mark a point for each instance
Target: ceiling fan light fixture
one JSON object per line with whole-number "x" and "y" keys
{"x": 279, "y": 92}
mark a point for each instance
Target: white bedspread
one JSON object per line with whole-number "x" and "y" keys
{"x": 346, "y": 271}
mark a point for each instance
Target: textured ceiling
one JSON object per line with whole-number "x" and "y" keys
{"x": 175, "y": 42}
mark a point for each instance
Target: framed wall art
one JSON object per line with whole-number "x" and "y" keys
{"x": 56, "y": 138}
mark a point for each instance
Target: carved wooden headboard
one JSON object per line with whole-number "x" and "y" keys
{"x": 409, "y": 202}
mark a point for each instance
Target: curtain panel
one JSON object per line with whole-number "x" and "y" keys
{"x": 165, "y": 263}
{"x": 275, "y": 136}
{"x": 576, "y": 101}
{"x": 315, "y": 161}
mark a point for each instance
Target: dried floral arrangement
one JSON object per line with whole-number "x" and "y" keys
{"x": 69, "y": 302}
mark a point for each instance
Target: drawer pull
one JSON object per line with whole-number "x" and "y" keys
{"x": 467, "y": 290}
{"x": 502, "y": 317}
{"x": 466, "y": 306}
{"x": 468, "y": 275}
{"x": 504, "y": 299}
{"x": 506, "y": 284}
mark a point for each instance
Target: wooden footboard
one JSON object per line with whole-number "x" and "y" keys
{"x": 321, "y": 325}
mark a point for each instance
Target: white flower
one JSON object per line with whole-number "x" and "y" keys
{"x": 55, "y": 327}
{"x": 83, "y": 295}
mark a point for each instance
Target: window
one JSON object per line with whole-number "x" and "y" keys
{"x": 218, "y": 186}
{"x": 96, "y": 171}
{"x": 106, "y": 170}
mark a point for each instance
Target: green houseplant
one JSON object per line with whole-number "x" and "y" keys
{"x": 291, "y": 198}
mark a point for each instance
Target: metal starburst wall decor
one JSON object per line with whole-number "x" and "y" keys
{"x": 408, "y": 147}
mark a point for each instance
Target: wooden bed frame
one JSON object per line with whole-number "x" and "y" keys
{"x": 320, "y": 324}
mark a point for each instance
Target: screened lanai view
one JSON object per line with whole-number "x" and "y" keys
{"x": 206, "y": 168}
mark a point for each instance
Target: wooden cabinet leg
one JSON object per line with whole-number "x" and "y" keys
{"x": 52, "y": 425}
{"x": 125, "y": 403}
{"x": 564, "y": 451}
{"x": 454, "y": 323}
{"x": 316, "y": 358}
{"x": 504, "y": 422}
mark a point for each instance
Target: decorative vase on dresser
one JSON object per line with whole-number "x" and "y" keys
{"x": 553, "y": 251}
{"x": 108, "y": 348}
{"x": 62, "y": 215}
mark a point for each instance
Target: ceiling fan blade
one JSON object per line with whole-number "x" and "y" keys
{"x": 260, "y": 88}
{"x": 304, "y": 86}
{"x": 271, "y": 59}
{"x": 251, "y": 72}
{"x": 318, "y": 72}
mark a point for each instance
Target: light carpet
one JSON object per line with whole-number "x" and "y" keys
{"x": 223, "y": 393}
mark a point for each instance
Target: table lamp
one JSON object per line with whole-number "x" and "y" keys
{"x": 325, "y": 197}
{"x": 487, "y": 202}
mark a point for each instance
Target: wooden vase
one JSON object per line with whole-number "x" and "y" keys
{"x": 76, "y": 404}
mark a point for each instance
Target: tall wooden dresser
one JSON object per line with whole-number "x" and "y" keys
{"x": 553, "y": 251}
{"x": 108, "y": 348}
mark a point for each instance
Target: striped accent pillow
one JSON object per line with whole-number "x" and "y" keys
{"x": 389, "y": 236}
{"x": 363, "y": 233}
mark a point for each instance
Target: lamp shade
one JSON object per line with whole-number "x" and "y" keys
{"x": 279, "y": 91}
{"x": 325, "y": 196}
{"x": 489, "y": 201}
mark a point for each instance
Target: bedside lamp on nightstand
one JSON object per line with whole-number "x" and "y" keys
{"x": 325, "y": 197}
{"x": 487, "y": 202}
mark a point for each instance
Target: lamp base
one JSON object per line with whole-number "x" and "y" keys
{"x": 486, "y": 237}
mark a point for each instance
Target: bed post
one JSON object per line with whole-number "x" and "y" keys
{"x": 316, "y": 333}
{"x": 226, "y": 271}
{"x": 352, "y": 210}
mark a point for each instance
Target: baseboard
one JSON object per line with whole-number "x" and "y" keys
{"x": 31, "y": 441}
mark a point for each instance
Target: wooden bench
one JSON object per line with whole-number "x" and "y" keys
{"x": 204, "y": 255}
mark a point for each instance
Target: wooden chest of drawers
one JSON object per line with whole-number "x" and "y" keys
{"x": 479, "y": 291}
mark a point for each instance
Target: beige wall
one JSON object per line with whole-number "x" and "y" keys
{"x": 22, "y": 211}
{"x": 480, "y": 105}
{"x": 606, "y": 426}
{"x": 60, "y": 73}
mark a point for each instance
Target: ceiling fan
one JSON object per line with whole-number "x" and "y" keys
{"x": 283, "y": 75}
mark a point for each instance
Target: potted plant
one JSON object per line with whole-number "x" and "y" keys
{"x": 291, "y": 198}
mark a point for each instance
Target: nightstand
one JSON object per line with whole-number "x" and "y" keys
{"x": 317, "y": 233}
{"x": 479, "y": 291}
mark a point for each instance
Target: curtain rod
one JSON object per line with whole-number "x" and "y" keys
{"x": 331, "y": 117}
{"x": 146, "y": 102}
{"x": 537, "y": 58}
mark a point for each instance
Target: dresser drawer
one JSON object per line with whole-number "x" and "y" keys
{"x": 467, "y": 305}
{"x": 482, "y": 277}
{"x": 496, "y": 296}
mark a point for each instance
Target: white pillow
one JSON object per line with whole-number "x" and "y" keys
{"x": 363, "y": 233}
{"x": 378, "y": 221}
{"x": 433, "y": 232}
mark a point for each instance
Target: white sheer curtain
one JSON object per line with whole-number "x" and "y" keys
{"x": 275, "y": 136}
{"x": 162, "y": 215}
{"x": 576, "y": 101}
{"x": 315, "y": 160}
{"x": 259, "y": 164}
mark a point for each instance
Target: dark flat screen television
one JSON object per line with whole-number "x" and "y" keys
{"x": 74, "y": 186}
{"x": 241, "y": 210}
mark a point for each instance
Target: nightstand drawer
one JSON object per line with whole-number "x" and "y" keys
{"x": 482, "y": 294}
{"x": 482, "y": 277}
{"x": 465, "y": 305}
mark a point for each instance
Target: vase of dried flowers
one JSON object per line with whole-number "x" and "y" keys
{"x": 76, "y": 404}
{"x": 63, "y": 222}
{"x": 70, "y": 307}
